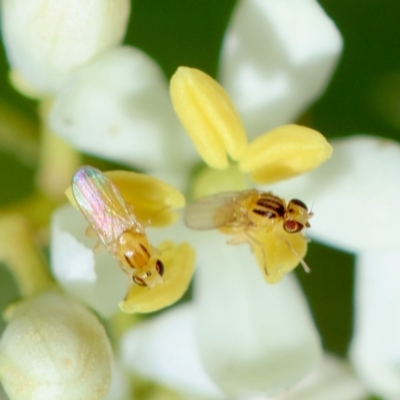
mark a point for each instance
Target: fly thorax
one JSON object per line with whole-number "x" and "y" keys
{"x": 134, "y": 249}
{"x": 266, "y": 210}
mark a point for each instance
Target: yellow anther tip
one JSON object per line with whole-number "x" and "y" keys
{"x": 284, "y": 152}
{"x": 153, "y": 200}
{"x": 208, "y": 116}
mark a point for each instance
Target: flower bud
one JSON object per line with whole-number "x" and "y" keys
{"x": 47, "y": 39}
{"x": 54, "y": 348}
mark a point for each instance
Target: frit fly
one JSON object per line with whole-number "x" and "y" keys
{"x": 247, "y": 213}
{"x": 115, "y": 224}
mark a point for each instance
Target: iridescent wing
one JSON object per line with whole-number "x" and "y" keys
{"x": 102, "y": 205}
{"x": 217, "y": 211}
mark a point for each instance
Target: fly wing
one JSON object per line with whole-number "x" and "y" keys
{"x": 214, "y": 211}
{"x": 102, "y": 205}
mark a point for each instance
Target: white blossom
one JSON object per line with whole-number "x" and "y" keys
{"x": 277, "y": 58}
{"x": 81, "y": 272}
{"x": 118, "y": 107}
{"x": 375, "y": 348}
{"x": 355, "y": 196}
{"x": 130, "y": 119}
{"x": 239, "y": 336}
{"x": 332, "y": 379}
{"x": 46, "y": 40}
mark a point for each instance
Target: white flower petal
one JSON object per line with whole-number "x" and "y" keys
{"x": 375, "y": 349}
{"x": 118, "y": 107}
{"x": 354, "y": 195}
{"x": 177, "y": 232}
{"x": 46, "y": 39}
{"x": 253, "y": 337}
{"x": 331, "y": 380}
{"x": 165, "y": 349}
{"x": 78, "y": 270}
{"x": 277, "y": 58}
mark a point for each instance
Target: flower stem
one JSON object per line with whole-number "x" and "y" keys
{"x": 18, "y": 252}
{"x": 58, "y": 160}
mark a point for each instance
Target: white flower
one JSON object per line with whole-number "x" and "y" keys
{"x": 94, "y": 109}
{"x": 81, "y": 272}
{"x": 332, "y": 379}
{"x": 150, "y": 348}
{"x": 54, "y": 348}
{"x": 356, "y": 199}
{"x": 165, "y": 350}
{"x": 242, "y": 336}
{"x": 88, "y": 276}
{"x": 118, "y": 107}
{"x": 357, "y": 182}
{"x": 46, "y": 40}
{"x": 130, "y": 119}
{"x": 375, "y": 348}
{"x": 239, "y": 336}
{"x": 277, "y": 59}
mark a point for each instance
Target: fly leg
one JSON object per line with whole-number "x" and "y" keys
{"x": 301, "y": 261}
{"x": 252, "y": 240}
{"x": 90, "y": 232}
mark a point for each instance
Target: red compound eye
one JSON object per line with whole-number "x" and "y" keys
{"x": 160, "y": 267}
{"x": 291, "y": 226}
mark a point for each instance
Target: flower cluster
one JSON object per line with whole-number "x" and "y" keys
{"x": 238, "y": 333}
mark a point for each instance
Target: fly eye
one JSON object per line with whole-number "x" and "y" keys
{"x": 160, "y": 267}
{"x": 299, "y": 203}
{"x": 139, "y": 281}
{"x": 291, "y": 226}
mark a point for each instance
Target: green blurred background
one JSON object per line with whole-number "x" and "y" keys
{"x": 363, "y": 97}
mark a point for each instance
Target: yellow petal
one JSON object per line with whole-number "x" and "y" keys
{"x": 208, "y": 116}
{"x": 179, "y": 267}
{"x": 152, "y": 199}
{"x": 280, "y": 252}
{"x": 284, "y": 152}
